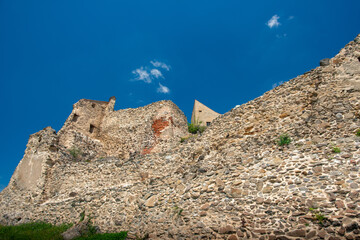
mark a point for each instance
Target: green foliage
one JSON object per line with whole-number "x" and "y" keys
{"x": 317, "y": 215}
{"x": 320, "y": 217}
{"x": 47, "y": 231}
{"x": 284, "y": 139}
{"x": 183, "y": 139}
{"x": 178, "y": 211}
{"x": 92, "y": 229}
{"x": 358, "y": 133}
{"x": 75, "y": 152}
{"x": 91, "y": 232}
{"x": 336, "y": 150}
{"x": 105, "y": 236}
{"x": 33, "y": 231}
{"x": 82, "y": 216}
{"x": 196, "y": 128}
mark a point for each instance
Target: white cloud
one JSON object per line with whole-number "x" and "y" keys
{"x": 152, "y": 73}
{"x": 160, "y": 65}
{"x": 291, "y": 18}
{"x": 156, "y": 73}
{"x": 273, "y": 22}
{"x": 142, "y": 75}
{"x": 277, "y": 84}
{"x": 163, "y": 89}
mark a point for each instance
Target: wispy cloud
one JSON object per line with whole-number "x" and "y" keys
{"x": 291, "y": 17}
{"x": 156, "y": 73}
{"x": 142, "y": 74}
{"x": 160, "y": 65}
{"x": 163, "y": 89}
{"x": 152, "y": 73}
{"x": 274, "y": 21}
{"x": 277, "y": 84}
{"x": 281, "y": 35}
{"x": 146, "y": 75}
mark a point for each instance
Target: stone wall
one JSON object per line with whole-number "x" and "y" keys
{"x": 142, "y": 130}
{"x": 42, "y": 173}
{"x": 29, "y": 174}
{"x": 232, "y": 182}
{"x": 97, "y": 130}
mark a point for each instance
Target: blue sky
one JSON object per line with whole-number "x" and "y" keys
{"x": 223, "y": 53}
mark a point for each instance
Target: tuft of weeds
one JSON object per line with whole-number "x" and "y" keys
{"x": 283, "y": 139}
{"x": 318, "y": 215}
{"x": 357, "y": 133}
{"x": 195, "y": 128}
{"x": 177, "y": 210}
{"x": 75, "y": 152}
{"x": 336, "y": 150}
{"x": 183, "y": 139}
{"x": 82, "y": 216}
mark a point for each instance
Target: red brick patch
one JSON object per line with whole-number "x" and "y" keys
{"x": 147, "y": 150}
{"x": 158, "y": 125}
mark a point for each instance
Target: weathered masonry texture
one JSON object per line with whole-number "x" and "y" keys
{"x": 232, "y": 182}
{"x": 95, "y": 125}
{"x": 202, "y": 115}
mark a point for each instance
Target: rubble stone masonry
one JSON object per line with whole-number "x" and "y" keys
{"x": 233, "y": 182}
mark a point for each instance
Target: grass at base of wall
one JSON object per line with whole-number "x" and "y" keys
{"x": 33, "y": 231}
{"x": 105, "y": 236}
{"x": 47, "y": 231}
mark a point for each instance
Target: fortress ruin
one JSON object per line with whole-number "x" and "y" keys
{"x": 235, "y": 181}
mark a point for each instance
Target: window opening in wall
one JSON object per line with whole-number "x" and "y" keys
{"x": 93, "y": 105}
{"x": 207, "y": 123}
{"x": 359, "y": 59}
{"x": 200, "y": 110}
{"x": 75, "y": 117}
{"x": 92, "y": 127}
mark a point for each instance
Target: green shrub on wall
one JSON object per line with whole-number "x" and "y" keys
{"x": 195, "y": 128}
{"x": 358, "y": 133}
{"x": 284, "y": 139}
{"x": 75, "y": 152}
